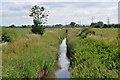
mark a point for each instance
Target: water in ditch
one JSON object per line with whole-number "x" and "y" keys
{"x": 63, "y": 63}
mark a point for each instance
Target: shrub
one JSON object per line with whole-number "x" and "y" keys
{"x": 86, "y": 31}
{"x": 9, "y": 35}
{"x": 38, "y": 30}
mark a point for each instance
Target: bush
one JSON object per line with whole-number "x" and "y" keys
{"x": 9, "y": 35}
{"x": 38, "y": 30}
{"x": 86, "y": 31}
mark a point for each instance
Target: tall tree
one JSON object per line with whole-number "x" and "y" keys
{"x": 39, "y": 15}
{"x": 101, "y": 24}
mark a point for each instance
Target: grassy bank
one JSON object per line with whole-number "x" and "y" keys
{"x": 96, "y": 56}
{"x": 30, "y": 56}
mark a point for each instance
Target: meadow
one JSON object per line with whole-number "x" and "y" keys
{"x": 30, "y": 55}
{"x": 36, "y": 56}
{"x": 96, "y": 56}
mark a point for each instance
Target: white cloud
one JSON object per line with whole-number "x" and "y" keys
{"x": 60, "y": 12}
{"x": 73, "y": 13}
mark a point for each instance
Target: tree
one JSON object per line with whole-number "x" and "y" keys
{"x": 101, "y": 24}
{"x": 58, "y": 25}
{"x": 12, "y": 26}
{"x": 24, "y": 26}
{"x": 72, "y": 24}
{"x": 39, "y": 18}
{"x": 93, "y": 25}
{"x": 105, "y": 26}
{"x": 77, "y": 25}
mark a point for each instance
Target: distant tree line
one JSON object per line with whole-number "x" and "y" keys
{"x": 22, "y": 26}
{"x": 100, "y": 24}
{"x": 71, "y": 24}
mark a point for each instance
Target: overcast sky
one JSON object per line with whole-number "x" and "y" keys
{"x": 60, "y": 11}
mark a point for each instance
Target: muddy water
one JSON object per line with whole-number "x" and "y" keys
{"x": 63, "y": 63}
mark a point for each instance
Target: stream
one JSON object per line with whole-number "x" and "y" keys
{"x": 63, "y": 62}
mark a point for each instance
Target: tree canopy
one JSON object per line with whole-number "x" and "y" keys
{"x": 72, "y": 24}
{"x": 39, "y": 15}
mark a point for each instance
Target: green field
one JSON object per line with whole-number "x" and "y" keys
{"x": 32, "y": 56}
{"x": 96, "y": 56}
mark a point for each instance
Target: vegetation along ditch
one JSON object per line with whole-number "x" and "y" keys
{"x": 31, "y": 56}
{"x": 93, "y": 55}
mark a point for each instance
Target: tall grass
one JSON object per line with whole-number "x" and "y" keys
{"x": 93, "y": 57}
{"x": 0, "y": 54}
{"x": 28, "y": 56}
{"x": 108, "y": 35}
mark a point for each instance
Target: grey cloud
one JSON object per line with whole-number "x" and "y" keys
{"x": 15, "y": 8}
{"x": 12, "y": 6}
{"x": 20, "y": 8}
{"x": 93, "y": 4}
{"x": 52, "y": 4}
{"x": 19, "y": 14}
{"x": 27, "y": 6}
{"x": 79, "y": 4}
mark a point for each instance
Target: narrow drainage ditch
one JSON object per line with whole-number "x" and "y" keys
{"x": 63, "y": 62}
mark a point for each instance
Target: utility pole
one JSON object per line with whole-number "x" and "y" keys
{"x": 108, "y": 21}
{"x": 66, "y": 24}
{"x": 80, "y": 22}
{"x": 92, "y": 19}
{"x": 119, "y": 12}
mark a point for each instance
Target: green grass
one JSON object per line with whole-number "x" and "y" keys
{"x": 0, "y": 55}
{"x": 0, "y": 33}
{"x": 25, "y": 30}
{"x": 20, "y": 30}
{"x": 29, "y": 55}
{"x": 95, "y": 56}
{"x": 108, "y": 35}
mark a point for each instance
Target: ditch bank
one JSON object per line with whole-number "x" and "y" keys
{"x": 90, "y": 58}
{"x": 39, "y": 58}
